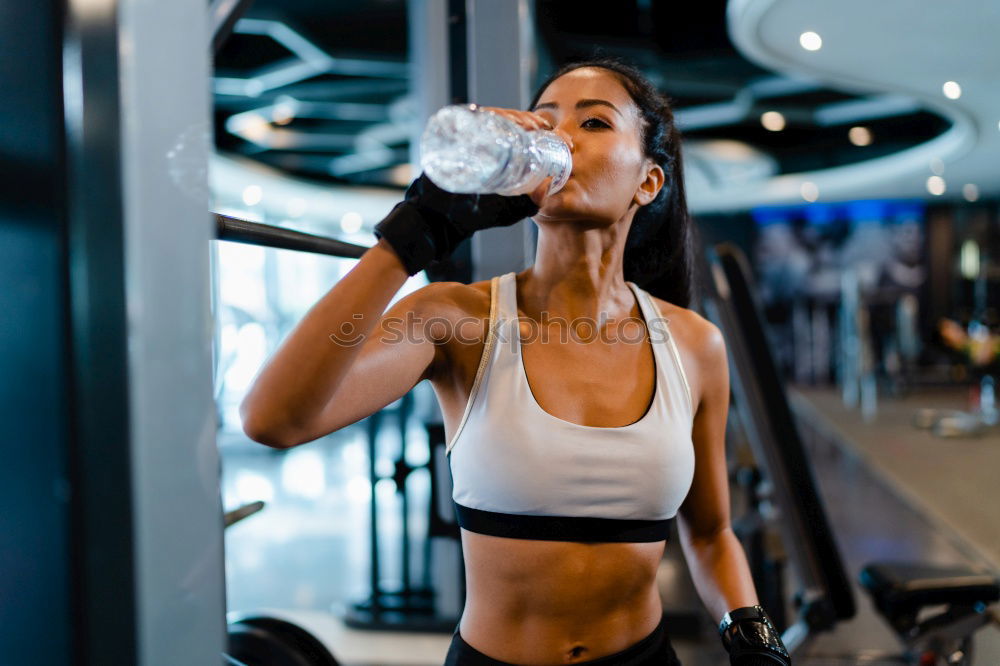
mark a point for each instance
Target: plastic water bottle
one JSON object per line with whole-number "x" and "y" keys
{"x": 468, "y": 150}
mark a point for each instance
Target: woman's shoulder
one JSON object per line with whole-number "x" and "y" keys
{"x": 456, "y": 315}
{"x": 685, "y": 322}
{"x": 452, "y": 300}
{"x": 700, "y": 345}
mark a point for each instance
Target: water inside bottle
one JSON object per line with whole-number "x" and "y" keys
{"x": 465, "y": 150}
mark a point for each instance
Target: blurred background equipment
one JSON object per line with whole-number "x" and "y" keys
{"x": 934, "y": 610}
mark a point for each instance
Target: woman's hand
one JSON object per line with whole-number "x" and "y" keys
{"x": 430, "y": 222}
{"x": 527, "y": 119}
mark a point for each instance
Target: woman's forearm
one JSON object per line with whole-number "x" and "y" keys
{"x": 299, "y": 378}
{"x": 720, "y": 571}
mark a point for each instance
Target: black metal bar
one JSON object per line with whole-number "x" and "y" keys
{"x": 245, "y": 511}
{"x": 98, "y": 476}
{"x": 375, "y": 572}
{"x": 403, "y": 471}
{"x": 825, "y": 594}
{"x": 222, "y": 18}
{"x": 255, "y": 233}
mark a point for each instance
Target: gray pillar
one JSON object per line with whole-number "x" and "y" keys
{"x": 112, "y": 523}
{"x": 428, "y": 29}
{"x": 430, "y": 83}
{"x": 502, "y": 63}
{"x": 165, "y": 131}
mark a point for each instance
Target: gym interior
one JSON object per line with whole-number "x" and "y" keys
{"x": 181, "y": 181}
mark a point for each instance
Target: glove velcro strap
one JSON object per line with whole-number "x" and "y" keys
{"x": 405, "y": 229}
{"x": 751, "y": 639}
{"x": 760, "y": 660}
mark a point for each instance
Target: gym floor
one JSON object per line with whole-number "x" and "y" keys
{"x": 308, "y": 549}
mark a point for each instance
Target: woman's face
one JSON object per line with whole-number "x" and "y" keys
{"x": 611, "y": 175}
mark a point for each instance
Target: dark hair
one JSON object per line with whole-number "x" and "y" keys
{"x": 658, "y": 250}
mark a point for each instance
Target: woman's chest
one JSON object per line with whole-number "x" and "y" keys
{"x": 596, "y": 381}
{"x": 600, "y": 378}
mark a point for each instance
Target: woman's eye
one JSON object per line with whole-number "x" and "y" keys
{"x": 596, "y": 120}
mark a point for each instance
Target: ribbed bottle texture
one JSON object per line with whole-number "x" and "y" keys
{"x": 465, "y": 149}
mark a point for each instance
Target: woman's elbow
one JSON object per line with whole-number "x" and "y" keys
{"x": 264, "y": 430}
{"x": 704, "y": 530}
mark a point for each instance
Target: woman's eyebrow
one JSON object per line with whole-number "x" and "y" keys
{"x": 582, "y": 104}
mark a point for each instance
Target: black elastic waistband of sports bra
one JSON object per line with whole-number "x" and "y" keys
{"x": 562, "y": 528}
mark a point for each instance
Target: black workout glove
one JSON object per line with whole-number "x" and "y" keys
{"x": 430, "y": 223}
{"x": 751, "y": 639}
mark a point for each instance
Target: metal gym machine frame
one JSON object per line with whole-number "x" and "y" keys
{"x": 901, "y": 591}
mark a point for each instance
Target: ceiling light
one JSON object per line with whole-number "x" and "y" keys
{"x": 809, "y": 191}
{"x": 952, "y": 90}
{"x": 937, "y": 166}
{"x": 860, "y": 136}
{"x": 282, "y": 113}
{"x": 810, "y": 41}
{"x": 251, "y": 126}
{"x": 351, "y": 222}
{"x": 935, "y": 185}
{"x": 772, "y": 120}
{"x": 970, "y": 192}
{"x": 252, "y": 195}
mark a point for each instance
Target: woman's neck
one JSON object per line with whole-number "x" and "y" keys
{"x": 577, "y": 274}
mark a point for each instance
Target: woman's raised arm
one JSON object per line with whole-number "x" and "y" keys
{"x": 297, "y": 396}
{"x": 292, "y": 392}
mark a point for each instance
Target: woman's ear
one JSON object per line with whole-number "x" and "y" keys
{"x": 650, "y": 186}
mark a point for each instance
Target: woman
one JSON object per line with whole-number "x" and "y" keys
{"x": 570, "y": 454}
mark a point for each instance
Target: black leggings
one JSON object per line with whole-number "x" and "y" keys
{"x": 653, "y": 650}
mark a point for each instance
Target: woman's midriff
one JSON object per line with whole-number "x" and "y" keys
{"x": 552, "y": 602}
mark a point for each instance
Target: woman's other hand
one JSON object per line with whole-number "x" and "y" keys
{"x": 527, "y": 119}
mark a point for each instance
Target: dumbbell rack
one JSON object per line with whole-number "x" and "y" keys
{"x": 409, "y": 606}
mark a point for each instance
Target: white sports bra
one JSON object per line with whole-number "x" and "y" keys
{"x": 521, "y": 472}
